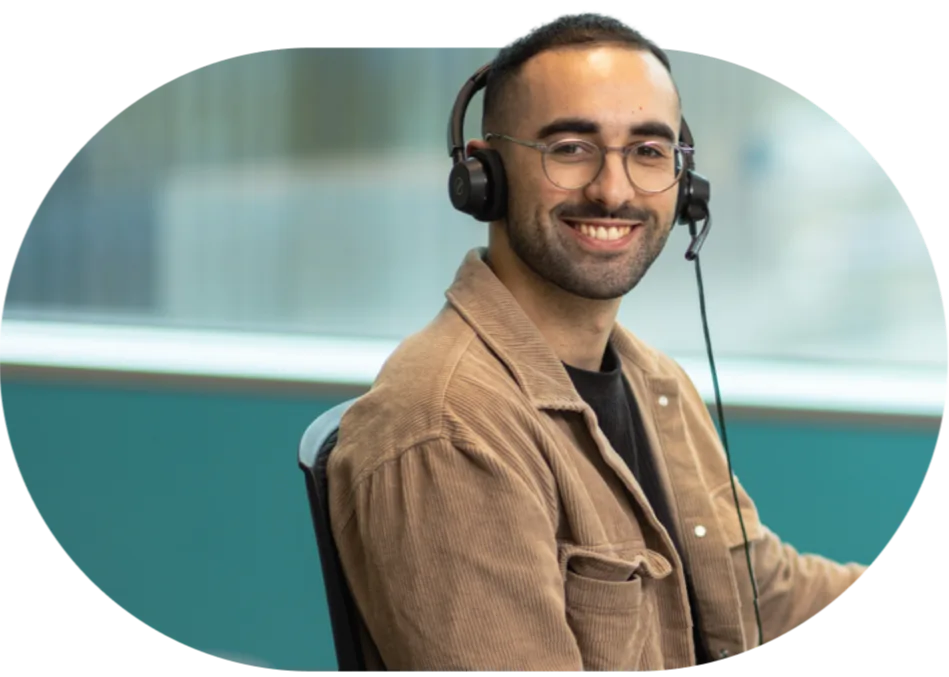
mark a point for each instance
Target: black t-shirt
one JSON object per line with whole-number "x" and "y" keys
{"x": 609, "y": 395}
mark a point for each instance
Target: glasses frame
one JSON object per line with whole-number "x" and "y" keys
{"x": 544, "y": 149}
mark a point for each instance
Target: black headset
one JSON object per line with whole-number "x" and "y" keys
{"x": 477, "y": 184}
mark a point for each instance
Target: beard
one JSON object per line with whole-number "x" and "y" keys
{"x": 556, "y": 257}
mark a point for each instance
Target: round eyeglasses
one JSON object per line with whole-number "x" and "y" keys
{"x": 652, "y": 166}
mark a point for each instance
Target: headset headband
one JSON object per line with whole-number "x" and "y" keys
{"x": 456, "y": 123}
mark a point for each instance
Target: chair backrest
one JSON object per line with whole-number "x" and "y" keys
{"x": 315, "y": 447}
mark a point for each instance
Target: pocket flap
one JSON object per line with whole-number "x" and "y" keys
{"x": 612, "y": 566}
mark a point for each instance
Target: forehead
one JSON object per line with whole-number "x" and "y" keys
{"x": 613, "y": 85}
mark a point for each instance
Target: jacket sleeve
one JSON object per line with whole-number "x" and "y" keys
{"x": 792, "y": 587}
{"x": 452, "y": 561}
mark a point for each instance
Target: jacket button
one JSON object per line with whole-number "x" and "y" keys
{"x": 663, "y": 401}
{"x": 700, "y": 531}
{"x": 723, "y": 653}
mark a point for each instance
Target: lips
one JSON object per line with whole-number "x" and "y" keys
{"x": 603, "y": 239}
{"x": 573, "y": 221}
{"x": 602, "y": 230}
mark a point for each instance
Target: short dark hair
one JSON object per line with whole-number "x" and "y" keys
{"x": 570, "y": 30}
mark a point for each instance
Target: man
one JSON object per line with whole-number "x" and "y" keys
{"x": 528, "y": 485}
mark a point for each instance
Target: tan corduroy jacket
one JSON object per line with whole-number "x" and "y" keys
{"x": 484, "y": 522}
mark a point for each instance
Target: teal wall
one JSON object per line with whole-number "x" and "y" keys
{"x": 188, "y": 509}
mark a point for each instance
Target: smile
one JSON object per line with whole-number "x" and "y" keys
{"x": 602, "y": 232}
{"x": 605, "y": 232}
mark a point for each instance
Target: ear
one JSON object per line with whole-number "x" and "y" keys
{"x": 475, "y": 144}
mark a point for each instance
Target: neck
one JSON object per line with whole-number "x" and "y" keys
{"x": 577, "y": 329}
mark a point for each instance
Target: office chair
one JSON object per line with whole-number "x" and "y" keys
{"x": 315, "y": 447}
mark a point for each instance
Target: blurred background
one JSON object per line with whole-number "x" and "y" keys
{"x": 241, "y": 249}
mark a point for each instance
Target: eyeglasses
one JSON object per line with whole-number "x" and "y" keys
{"x": 652, "y": 166}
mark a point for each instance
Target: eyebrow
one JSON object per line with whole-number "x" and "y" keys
{"x": 652, "y": 128}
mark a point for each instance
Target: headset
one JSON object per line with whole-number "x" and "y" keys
{"x": 477, "y": 186}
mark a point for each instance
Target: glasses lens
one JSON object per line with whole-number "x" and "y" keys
{"x": 572, "y": 164}
{"x": 652, "y": 166}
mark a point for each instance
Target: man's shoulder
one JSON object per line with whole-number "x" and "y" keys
{"x": 434, "y": 385}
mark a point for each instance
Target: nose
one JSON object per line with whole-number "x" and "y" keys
{"x": 611, "y": 187}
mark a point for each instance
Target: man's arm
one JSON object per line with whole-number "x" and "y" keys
{"x": 792, "y": 587}
{"x": 452, "y": 560}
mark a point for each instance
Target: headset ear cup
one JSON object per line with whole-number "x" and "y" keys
{"x": 682, "y": 200}
{"x": 467, "y": 186}
{"x": 696, "y": 206}
{"x": 494, "y": 204}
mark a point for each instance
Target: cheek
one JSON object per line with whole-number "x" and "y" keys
{"x": 665, "y": 204}
{"x": 532, "y": 193}
{"x": 549, "y": 197}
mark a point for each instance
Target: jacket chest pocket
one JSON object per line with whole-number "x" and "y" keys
{"x": 611, "y": 606}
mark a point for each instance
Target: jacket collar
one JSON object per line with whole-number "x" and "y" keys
{"x": 494, "y": 314}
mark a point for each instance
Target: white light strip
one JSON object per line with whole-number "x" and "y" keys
{"x": 193, "y": 353}
{"x": 867, "y": 389}
{"x": 750, "y": 383}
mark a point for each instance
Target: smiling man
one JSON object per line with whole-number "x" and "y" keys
{"x": 578, "y": 235}
{"x": 528, "y": 485}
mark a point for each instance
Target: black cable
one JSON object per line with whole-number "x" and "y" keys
{"x": 721, "y": 423}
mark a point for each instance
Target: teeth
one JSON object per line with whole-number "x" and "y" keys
{"x": 602, "y": 233}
